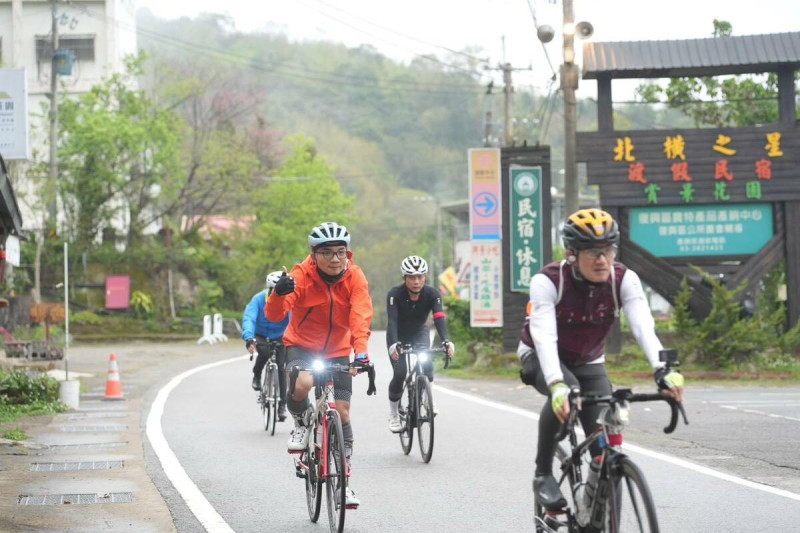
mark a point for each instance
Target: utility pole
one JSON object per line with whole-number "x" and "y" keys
{"x": 508, "y": 90}
{"x": 52, "y": 208}
{"x": 569, "y": 84}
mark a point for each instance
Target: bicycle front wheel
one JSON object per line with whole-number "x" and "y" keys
{"x": 264, "y": 399}
{"x": 425, "y": 418}
{"x": 629, "y": 504}
{"x": 273, "y": 398}
{"x": 336, "y": 479}
{"x": 407, "y": 419}
{"x": 313, "y": 478}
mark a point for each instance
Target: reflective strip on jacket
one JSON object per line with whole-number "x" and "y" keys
{"x": 326, "y": 318}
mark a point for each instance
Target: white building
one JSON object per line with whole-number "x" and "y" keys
{"x": 100, "y": 34}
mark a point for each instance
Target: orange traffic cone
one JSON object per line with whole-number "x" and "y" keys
{"x": 113, "y": 384}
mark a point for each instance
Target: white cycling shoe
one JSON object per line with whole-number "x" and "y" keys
{"x": 350, "y": 499}
{"x": 298, "y": 440}
{"x": 395, "y": 426}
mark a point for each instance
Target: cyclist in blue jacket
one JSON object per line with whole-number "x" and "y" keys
{"x": 257, "y": 330}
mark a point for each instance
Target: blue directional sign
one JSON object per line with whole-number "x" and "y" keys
{"x": 485, "y": 204}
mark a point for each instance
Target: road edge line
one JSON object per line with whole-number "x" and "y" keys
{"x": 632, "y": 447}
{"x": 200, "y": 507}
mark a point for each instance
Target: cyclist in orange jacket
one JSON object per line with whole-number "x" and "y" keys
{"x": 328, "y": 296}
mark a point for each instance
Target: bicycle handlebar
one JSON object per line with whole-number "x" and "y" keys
{"x": 618, "y": 396}
{"x": 406, "y": 348}
{"x": 334, "y": 368}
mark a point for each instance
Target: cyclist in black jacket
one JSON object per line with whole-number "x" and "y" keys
{"x": 408, "y": 306}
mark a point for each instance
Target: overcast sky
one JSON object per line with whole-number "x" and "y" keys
{"x": 404, "y": 28}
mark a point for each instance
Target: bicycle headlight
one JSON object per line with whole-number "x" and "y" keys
{"x": 318, "y": 365}
{"x": 422, "y": 356}
{"x": 622, "y": 414}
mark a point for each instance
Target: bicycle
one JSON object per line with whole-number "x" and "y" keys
{"x": 268, "y": 397}
{"x": 323, "y": 460}
{"x": 416, "y": 404}
{"x": 616, "y": 496}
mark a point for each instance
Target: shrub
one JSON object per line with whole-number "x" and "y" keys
{"x": 86, "y": 317}
{"x": 729, "y": 336}
{"x": 142, "y": 303}
{"x": 18, "y": 388}
{"x": 470, "y": 342}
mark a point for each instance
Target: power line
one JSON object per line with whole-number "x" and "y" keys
{"x": 427, "y": 43}
{"x": 289, "y": 71}
{"x": 428, "y": 58}
{"x": 532, "y": 9}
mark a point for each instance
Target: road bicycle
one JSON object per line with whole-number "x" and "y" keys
{"x": 323, "y": 460}
{"x": 270, "y": 393}
{"x": 416, "y": 403}
{"x": 614, "y": 496}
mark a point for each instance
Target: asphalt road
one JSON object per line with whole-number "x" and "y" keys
{"x": 479, "y": 478}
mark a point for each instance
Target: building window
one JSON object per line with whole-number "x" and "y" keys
{"x": 81, "y": 45}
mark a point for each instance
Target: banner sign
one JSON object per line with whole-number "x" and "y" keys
{"x": 688, "y": 231}
{"x": 697, "y": 166}
{"x": 485, "y": 214}
{"x": 486, "y": 289}
{"x": 527, "y": 253}
{"x": 13, "y": 114}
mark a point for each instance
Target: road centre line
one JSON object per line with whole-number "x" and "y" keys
{"x": 200, "y": 507}
{"x": 631, "y": 447}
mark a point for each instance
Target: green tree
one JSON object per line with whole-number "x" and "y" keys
{"x": 118, "y": 157}
{"x": 715, "y": 101}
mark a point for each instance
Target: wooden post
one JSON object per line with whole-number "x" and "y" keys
{"x": 787, "y": 108}
{"x": 792, "y": 214}
{"x": 605, "y": 106}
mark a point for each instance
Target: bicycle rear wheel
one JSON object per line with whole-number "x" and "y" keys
{"x": 629, "y": 503}
{"x": 425, "y": 418}
{"x": 313, "y": 479}
{"x": 336, "y": 480}
{"x": 407, "y": 419}
{"x": 566, "y": 490}
{"x": 264, "y": 399}
{"x": 273, "y": 397}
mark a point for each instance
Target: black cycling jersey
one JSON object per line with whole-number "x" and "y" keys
{"x": 408, "y": 318}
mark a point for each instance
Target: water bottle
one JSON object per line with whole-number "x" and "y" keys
{"x": 587, "y": 491}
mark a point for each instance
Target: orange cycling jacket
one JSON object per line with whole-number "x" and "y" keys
{"x": 326, "y": 318}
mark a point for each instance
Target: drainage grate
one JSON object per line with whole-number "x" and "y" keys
{"x": 75, "y": 499}
{"x": 107, "y": 427}
{"x": 88, "y": 446}
{"x": 82, "y": 465}
{"x": 99, "y": 414}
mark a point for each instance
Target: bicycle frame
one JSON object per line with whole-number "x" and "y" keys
{"x": 325, "y": 403}
{"x": 613, "y": 418}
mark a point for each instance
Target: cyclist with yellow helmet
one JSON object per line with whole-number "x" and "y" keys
{"x": 573, "y": 304}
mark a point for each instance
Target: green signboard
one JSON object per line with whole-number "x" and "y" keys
{"x": 526, "y": 225}
{"x": 702, "y": 230}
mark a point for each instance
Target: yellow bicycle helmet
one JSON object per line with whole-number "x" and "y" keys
{"x": 586, "y": 228}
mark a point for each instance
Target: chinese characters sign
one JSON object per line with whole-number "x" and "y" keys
{"x": 13, "y": 114}
{"x": 485, "y": 214}
{"x": 699, "y": 166}
{"x": 525, "y": 225}
{"x": 702, "y": 230}
{"x": 486, "y": 285}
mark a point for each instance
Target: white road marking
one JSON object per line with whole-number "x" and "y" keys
{"x": 197, "y": 503}
{"x": 632, "y": 447}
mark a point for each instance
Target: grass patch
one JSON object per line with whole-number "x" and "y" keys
{"x": 15, "y": 434}
{"x": 10, "y": 413}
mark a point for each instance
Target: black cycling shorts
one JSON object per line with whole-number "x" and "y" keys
{"x": 342, "y": 383}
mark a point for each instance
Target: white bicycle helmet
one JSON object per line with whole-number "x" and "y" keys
{"x": 273, "y": 278}
{"x": 413, "y": 264}
{"x": 328, "y": 232}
